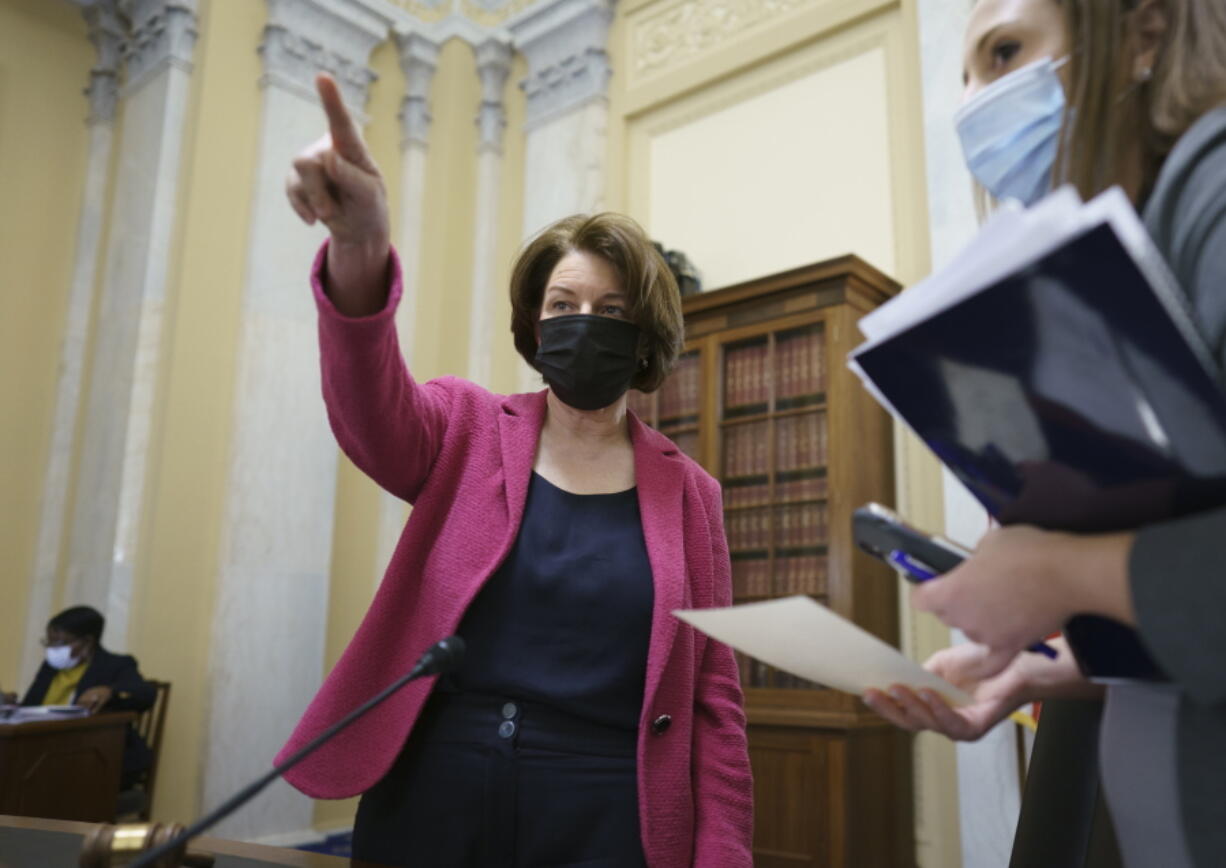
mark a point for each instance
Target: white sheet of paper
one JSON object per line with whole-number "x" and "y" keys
{"x": 801, "y": 636}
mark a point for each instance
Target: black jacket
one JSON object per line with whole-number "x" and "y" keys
{"x": 131, "y": 692}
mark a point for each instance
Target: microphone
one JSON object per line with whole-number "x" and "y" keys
{"x": 443, "y": 656}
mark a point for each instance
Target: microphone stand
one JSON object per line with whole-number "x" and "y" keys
{"x": 444, "y": 656}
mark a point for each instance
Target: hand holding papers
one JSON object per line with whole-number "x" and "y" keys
{"x": 803, "y": 637}
{"x": 1054, "y": 368}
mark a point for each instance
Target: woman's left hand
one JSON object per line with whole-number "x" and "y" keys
{"x": 1023, "y": 583}
{"x": 95, "y": 699}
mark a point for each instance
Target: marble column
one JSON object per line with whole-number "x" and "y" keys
{"x": 106, "y": 32}
{"x": 493, "y": 67}
{"x": 567, "y": 107}
{"x": 989, "y": 786}
{"x": 567, "y": 119}
{"x": 104, "y": 540}
{"x": 270, "y": 620}
{"x": 418, "y": 61}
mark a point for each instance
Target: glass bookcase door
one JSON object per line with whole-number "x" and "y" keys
{"x": 773, "y": 466}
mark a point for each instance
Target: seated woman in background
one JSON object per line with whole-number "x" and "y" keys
{"x": 79, "y": 671}
{"x": 1099, "y": 93}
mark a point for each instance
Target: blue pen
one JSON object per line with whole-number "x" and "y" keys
{"x": 922, "y": 573}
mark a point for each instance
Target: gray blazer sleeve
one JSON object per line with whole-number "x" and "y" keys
{"x": 1178, "y": 568}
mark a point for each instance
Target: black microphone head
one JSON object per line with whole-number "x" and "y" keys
{"x": 446, "y": 656}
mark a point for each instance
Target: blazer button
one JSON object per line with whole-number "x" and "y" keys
{"x": 661, "y": 724}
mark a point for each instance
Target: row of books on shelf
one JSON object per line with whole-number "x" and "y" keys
{"x": 753, "y": 576}
{"x": 796, "y": 369}
{"x": 687, "y": 443}
{"x": 800, "y": 365}
{"x": 640, "y": 405}
{"x": 745, "y": 376}
{"x": 746, "y": 449}
{"x": 790, "y": 526}
{"x": 747, "y": 491}
{"x": 679, "y": 395}
{"x": 801, "y": 447}
{"x": 755, "y": 673}
{"x": 801, "y": 485}
{"x": 806, "y": 524}
{"x": 750, "y": 491}
{"x": 801, "y": 441}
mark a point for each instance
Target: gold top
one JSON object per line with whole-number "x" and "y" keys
{"x": 63, "y": 685}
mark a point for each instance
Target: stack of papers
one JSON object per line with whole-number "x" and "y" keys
{"x": 23, "y": 714}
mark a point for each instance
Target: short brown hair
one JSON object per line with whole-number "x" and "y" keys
{"x": 653, "y": 301}
{"x": 1189, "y": 79}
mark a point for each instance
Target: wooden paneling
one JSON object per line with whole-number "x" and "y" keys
{"x": 65, "y": 769}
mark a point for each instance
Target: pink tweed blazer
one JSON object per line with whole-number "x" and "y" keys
{"x": 463, "y": 457}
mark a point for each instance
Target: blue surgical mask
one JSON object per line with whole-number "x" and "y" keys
{"x": 1010, "y": 131}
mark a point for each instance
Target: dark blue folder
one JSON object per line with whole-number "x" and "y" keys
{"x": 1071, "y": 395}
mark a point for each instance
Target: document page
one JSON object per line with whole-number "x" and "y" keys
{"x": 803, "y": 637}
{"x": 22, "y": 714}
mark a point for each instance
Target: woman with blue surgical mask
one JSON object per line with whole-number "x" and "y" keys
{"x": 1013, "y": 102}
{"x": 1102, "y": 93}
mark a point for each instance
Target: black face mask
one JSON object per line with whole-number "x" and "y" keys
{"x": 587, "y": 360}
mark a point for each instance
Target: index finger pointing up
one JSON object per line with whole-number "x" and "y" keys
{"x": 345, "y": 136}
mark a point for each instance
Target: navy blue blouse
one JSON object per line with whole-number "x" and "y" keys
{"x": 566, "y": 619}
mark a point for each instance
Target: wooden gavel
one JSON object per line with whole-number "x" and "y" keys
{"x": 110, "y": 846}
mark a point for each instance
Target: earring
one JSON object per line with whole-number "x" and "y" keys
{"x": 643, "y": 364}
{"x": 1145, "y": 74}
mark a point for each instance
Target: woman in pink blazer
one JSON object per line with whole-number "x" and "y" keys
{"x": 555, "y": 533}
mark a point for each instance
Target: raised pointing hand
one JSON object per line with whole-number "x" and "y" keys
{"x": 336, "y": 182}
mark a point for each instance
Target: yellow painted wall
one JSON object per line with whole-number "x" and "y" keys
{"x": 44, "y": 64}
{"x": 780, "y": 144}
{"x": 808, "y": 124}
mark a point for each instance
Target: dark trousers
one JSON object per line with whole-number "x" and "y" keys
{"x": 487, "y": 781}
{"x": 1064, "y": 821}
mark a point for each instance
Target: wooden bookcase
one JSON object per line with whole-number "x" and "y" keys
{"x": 762, "y": 398}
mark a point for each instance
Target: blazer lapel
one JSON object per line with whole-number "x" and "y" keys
{"x": 519, "y": 430}
{"x": 660, "y": 478}
{"x": 92, "y": 676}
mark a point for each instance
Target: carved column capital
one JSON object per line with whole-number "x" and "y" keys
{"x": 106, "y": 32}
{"x": 304, "y": 37}
{"x": 493, "y": 67}
{"x": 160, "y": 33}
{"x": 418, "y": 62}
{"x": 564, "y": 42}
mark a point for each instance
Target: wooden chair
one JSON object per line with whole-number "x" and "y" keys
{"x": 138, "y": 799}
